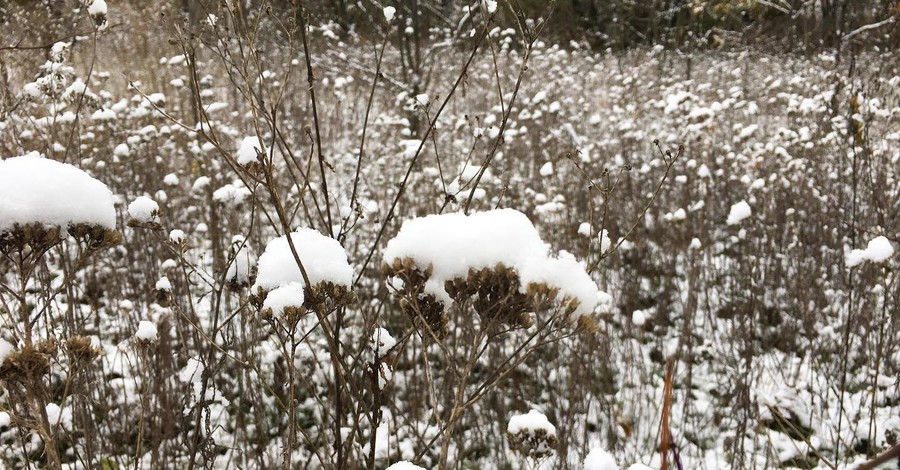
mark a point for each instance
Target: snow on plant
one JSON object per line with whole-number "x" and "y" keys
{"x": 37, "y": 193}
{"x": 143, "y": 211}
{"x": 404, "y": 464}
{"x": 878, "y": 250}
{"x": 496, "y": 258}
{"x": 600, "y": 459}
{"x": 738, "y": 213}
{"x": 532, "y": 435}
{"x": 317, "y": 262}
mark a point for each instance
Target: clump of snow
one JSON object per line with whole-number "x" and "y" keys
{"x": 639, "y": 466}
{"x": 176, "y": 236}
{"x": 38, "y": 190}
{"x": 323, "y": 258}
{"x": 249, "y": 151}
{"x": 599, "y": 459}
{"x": 532, "y": 434}
{"x": 546, "y": 169}
{"x": 382, "y": 341}
{"x": 404, "y": 464}
{"x": 878, "y": 250}
{"x": 530, "y": 422}
{"x": 605, "y": 241}
{"x": 143, "y": 209}
{"x": 163, "y": 284}
{"x": 638, "y": 318}
{"x": 5, "y": 349}
{"x": 239, "y": 269}
{"x": 146, "y": 331}
{"x": 738, "y": 212}
{"x": 389, "y": 13}
{"x": 452, "y": 244}
{"x": 584, "y": 229}
{"x": 97, "y": 8}
{"x": 289, "y": 295}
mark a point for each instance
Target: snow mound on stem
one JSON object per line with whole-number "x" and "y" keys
{"x": 450, "y": 245}
{"x": 323, "y": 258}
{"x": 38, "y": 190}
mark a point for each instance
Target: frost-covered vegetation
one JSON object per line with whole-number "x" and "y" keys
{"x": 254, "y": 238}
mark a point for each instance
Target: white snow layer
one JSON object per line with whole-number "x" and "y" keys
{"x": 143, "y": 209}
{"x": 452, "y": 244}
{"x": 5, "y": 349}
{"x": 248, "y": 150}
{"x": 739, "y": 212}
{"x": 530, "y": 422}
{"x": 878, "y": 250}
{"x": 38, "y": 190}
{"x": 146, "y": 331}
{"x": 389, "y": 13}
{"x": 382, "y": 341}
{"x": 599, "y": 459}
{"x": 323, "y": 258}
{"x": 283, "y": 297}
{"x": 404, "y": 465}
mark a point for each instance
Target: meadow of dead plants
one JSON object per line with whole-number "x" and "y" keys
{"x": 246, "y": 236}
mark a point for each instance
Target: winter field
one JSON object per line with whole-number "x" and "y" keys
{"x": 483, "y": 250}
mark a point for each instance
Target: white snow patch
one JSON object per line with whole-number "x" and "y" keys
{"x": 143, "y": 209}
{"x": 599, "y": 459}
{"x": 283, "y": 297}
{"x": 146, "y": 331}
{"x": 530, "y": 422}
{"x": 38, "y": 190}
{"x": 323, "y": 258}
{"x": 382, "y": 341}
{"x": 738, "y": 212}
{"x": 878, "y": 250}
{"x": 452, "y": 244}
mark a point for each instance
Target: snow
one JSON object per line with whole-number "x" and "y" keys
{"x": 122, "y": 150}
{"x": 530, "y": 422}
{"x": 146, "y": 331}
{"x": 599, "y": 459}
{"x": 38, "y": 190}
{"x": 97, "y": 8}
{"x": 5, "y": 349}
{"x": 239, "y": 269}
{"x": 639, "y": 466}
{"x": 143, "y": 209}
{"x": 878, "y": 250}
{"x": 163, "y": 284}
{"x": 638, "y": 318}
{"x": 389, "y": 13}
{"x": 54, "y": 412}
{"x": 546, "y": 169}
{"x": 176, "y": 236}
{"x": 284, "y": 297}
{"x": 738, "y": 212}
{"x": 383, "y": 341}
{"x": 452, "y": 244}
{"x": 249, "y": 150}
{"x": 584, "y": 229}
{"x": 323, "y": 258}
{"x": 404, "y": 464}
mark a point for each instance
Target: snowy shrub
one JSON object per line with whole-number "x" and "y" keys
{"x": 532, "y": 435}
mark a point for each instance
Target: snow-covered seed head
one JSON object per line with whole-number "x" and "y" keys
{"x": 532, "y": 435}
